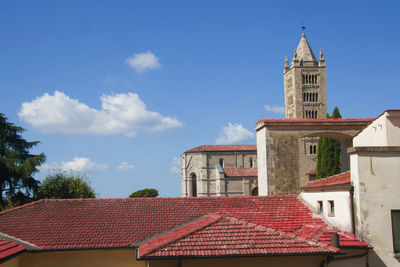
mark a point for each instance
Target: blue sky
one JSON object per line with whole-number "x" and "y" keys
{"x": 119, "y": 89}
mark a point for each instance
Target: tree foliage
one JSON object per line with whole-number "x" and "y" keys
{"x": 328, "y": 153}
{"x": 17, "y": 165}
{"x": 148, "y": 192}
{"x": 66, "y": 185}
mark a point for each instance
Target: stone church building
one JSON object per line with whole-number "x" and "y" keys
{"x": 219, "y": 170}
{"x": 284, "y": 158}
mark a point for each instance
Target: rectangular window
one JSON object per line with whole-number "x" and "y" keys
{"x": 396, "y": 230}
{"x": 320, "y": 207}
{"x": 331, "y": 208}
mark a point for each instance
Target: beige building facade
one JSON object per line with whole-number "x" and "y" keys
{"x": 375, "y": 176}
{"x": 283, "y": 150}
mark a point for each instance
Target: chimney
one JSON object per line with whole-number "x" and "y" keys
{"x": 335, "y": 239}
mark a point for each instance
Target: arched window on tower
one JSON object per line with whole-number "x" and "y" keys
{"x": 316, "y": 79}
{"x": 316, "y": 116}
{"x": 194, "y": 185}
{"x": 316, "y": 96}
{"x": 304, "y": 79}
{"x": 315, "y": 149}
{"x": 251, "y": 162}
{"x": 221, "y": 162}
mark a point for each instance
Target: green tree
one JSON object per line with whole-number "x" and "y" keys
{"x": 148, "y": 192}
{"x": 17, "y": 165}
{"x": 328, "y": 153}
{"x": 65, "y": 185}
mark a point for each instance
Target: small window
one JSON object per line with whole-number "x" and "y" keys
{"x": 251, "y": 162}
{"x": 331, "y": 208}
{"x": 194, "y": 185}
{"x": 221, "y": 162}
{"x": 396, "y": 230}
{"x": 320, "y": 207}
{"x": 254, "y": 192}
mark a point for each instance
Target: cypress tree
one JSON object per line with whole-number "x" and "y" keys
{"x": 328, "y": 153}
{"x": 17, "y": 165}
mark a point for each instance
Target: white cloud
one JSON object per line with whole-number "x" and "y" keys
{"x": 143, "y": 61}
{"x": 275, "y": 109}
{"x": 234, "y": 133}
{"x": 125, "y": 166}
{"x": 175, "y": 166}
{"x": 77, "y": 164}
{"x": 119, "y": 114}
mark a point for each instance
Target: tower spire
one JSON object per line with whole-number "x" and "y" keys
{"x": 304, "y": 51}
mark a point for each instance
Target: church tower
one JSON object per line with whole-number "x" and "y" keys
{"x": 305, "y": 83}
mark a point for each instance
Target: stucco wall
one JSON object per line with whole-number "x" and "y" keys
{"x": 84, "y": 258}
{"x": 298, "y": 261}
{"x": 384, "y": 131}
{"x": 283, "y": 152}
{"x": 376, "y": 180}
{"x": 11, "y": 263}
{"x": 343, "y": 210}
{"x": 262, "y": 161}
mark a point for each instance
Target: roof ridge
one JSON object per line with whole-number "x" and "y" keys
{"x": 23, "y": 206}
{"x": 282, "y": 233}
{"x": 146, "y": 198}
{"x": 20, "y": 242}
{"x": 175, "y": 233}
{"x": 320, "y": 183}
{"x": 238, "y": 168}
{"x": 329, "y": 177}
{"x": 205, "y": 148}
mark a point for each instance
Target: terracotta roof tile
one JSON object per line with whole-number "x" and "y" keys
{"x": 232, "y": 237}
{"x": 241, "y": 172}
{"x": 341, "y": 179}
{"x": 325, "y": 120}
{"x": 177, "y": 233}
{"x": 212, "y": 148}
{"x": 314, "y": 171}
{"x": 9, "y": 249}
{"x": 110, "y": 223}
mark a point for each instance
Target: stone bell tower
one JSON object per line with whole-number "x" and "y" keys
{"x": 305, "y": 83}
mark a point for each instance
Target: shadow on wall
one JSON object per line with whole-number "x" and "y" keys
{"x": 375, "y": 260}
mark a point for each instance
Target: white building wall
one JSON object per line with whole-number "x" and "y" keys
{"x": 342, "y": 217}
{"x": 262, "y": 162}
{"x": 376, "y": 185}
{"x": 384, "y": 131}
{"x": 375, "y": 175}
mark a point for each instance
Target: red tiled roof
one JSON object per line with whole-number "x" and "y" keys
{"x": 231, "y": 237}
{"x": 9, "y": 249}
{"x": 177, "y": 233}
{"x": 311, "y": 172}
{"x": 241, "y": 172}
{"x": 324, "y": 120}
{"x": 332, "y": 181}
{"x": 209, "y": 148}
{"x": 112, "y": 223}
